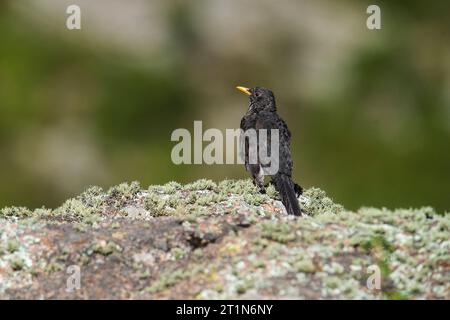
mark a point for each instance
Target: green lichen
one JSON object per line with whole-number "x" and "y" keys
{"x": 18, "y": 212}
{"x": 305, "y": 265}
{"x": 202, "y": 184}
{"x": 319, "y": 203}
{"x": 243, "y": 286}
{"x": 255, "y": 199}
{"x": 156, "y": 204}
{"x": 42, "y": 213}
{"x": 198, "y": 253}
{"x": 105, "y": 248}
{"x": 277, "y": 231}
{"x": 17, "y": 263}
{"x": 115, "y": 225}
{"x": 74, "y": 209}
{"x": 377, "y": 242}
{"x": 259, "y": 264}
{"x": 124, "y": 192}
{"x": 171, "y": 187}
{"x": 171, "y": 278}
{"x": 239, "y": 187}
{"x": 208, "y": 199}
{"x": 169, "y": 199}
{"x": 12, "y": 246}
{"x": 178, "y": 253}
{"x": 272, "y": 192}
{"x": 332, "y": 282}
{"x": 92, "y": 197}
{"x": 166, "y": 281}
{"x": 53, "y": 267}
{"x": 174, "y": 199}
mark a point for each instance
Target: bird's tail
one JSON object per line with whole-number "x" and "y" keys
{"x": 285, "y": 187}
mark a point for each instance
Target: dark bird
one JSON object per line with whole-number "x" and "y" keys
{"x": 262, "y": 114}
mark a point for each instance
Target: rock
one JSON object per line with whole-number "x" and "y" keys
{"x": 222, "y": 241}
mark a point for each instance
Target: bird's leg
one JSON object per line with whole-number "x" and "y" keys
{"x": 262, "y": 190}
{"x": 260, "y": 184}
{"x": 258, "y": 180}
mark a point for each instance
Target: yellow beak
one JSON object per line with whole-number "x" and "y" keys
{"x": 244, "y": 90}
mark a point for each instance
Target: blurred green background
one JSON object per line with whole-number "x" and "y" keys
{"x": 369, "y": 110}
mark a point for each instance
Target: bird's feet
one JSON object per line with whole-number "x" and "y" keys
{"x": 260, "y": 185}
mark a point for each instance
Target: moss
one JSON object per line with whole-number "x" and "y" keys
{"x": 84, "y": 259}
{"x": 273, "y": 250}
{"x": 198, "y": 253}
{"x": 17, "y": 263}
{"x": 42, "y": 212}
{"x": 18, "y": 212}
{"x": 305, "y": 265}
{"x": 259, "y": 264}
{"x": 171, "y": 187}
{"x": 144, "y": 275}
{"x": 155, "y": 204}
{"x": 92, "y": 197}
{"x": 115, "y": 225}
{"x": 80, "y": 227}
{"x": 255, "y": 199}
{"x": 240, "y": 187}
{"x": 207, "y": 199}
{"x": 192, "y": 213}
{"x": 104, "y": 248}
{"x": 33, "y": 271}
{"x": 12, "y": 246}
{"x": 171, "y": 278}
{"x": 278, "y": 231}
{"x": 381, "y": 249}
{"x": 332, "y": 282}
{"x": 191, "y": 198}
{"x": 121, "y": 194}
{"x": 271, "y": 192}
{"x": 126, "y": 190}
{"x": 166, "y": 281}
{"x": 259, "y": 245}
{"x": 243, "y": 286}
{"x": 230, "y": 249}
{"x": 334, "y": 268}
{"x": 319, "y": 203}
{"x": 91, "y": 219}
{"x": 169, "y": 199}
{"x": 174, "y": 200}
{"x": 378, "y": 242}
{"x": 53, "y": 267}
{"x": 202, "y": 184}
{"x": 396, "y": 295}
{"x": 218, "y": 288}
{"x": 85, "y": 208}
{"x": 74, "y": 209}
{"x": 178, "y": 253}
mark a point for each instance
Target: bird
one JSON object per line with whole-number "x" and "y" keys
{"x": 262, "y": 114}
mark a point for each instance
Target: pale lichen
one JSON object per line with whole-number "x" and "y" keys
{"x": 317, "y": 202}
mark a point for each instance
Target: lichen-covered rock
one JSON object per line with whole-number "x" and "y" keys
{"x": 208, "y": 240}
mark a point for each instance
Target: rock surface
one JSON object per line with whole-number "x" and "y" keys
{"x": 220, "y": 241}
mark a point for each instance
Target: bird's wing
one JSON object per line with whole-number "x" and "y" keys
{"x": 247, "y": 122}
{"x": 284, "y": 160}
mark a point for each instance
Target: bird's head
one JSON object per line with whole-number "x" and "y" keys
{"x": 261, "y": 99}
